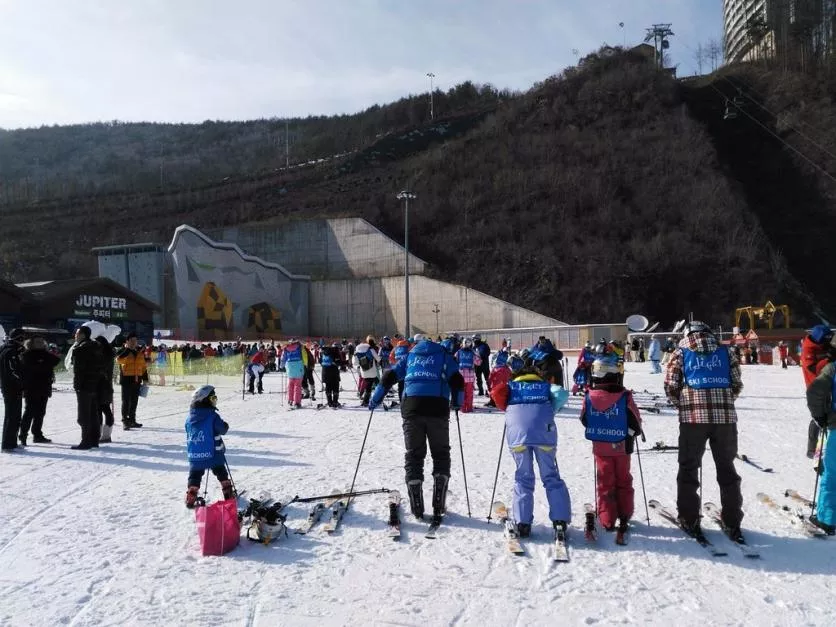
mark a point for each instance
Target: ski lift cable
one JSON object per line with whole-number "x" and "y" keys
{"x": 779, "y": 138}
{"x": 774, "y": 115}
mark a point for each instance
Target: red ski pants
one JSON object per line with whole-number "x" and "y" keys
{"x": 615, "y": 488}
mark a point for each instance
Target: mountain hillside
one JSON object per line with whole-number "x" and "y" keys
{"x": 607, "y": 190}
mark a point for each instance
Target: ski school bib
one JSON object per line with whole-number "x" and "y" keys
{"x": 327, "y": 360}
{"x": 294, "y": 354}
{"x": 465, "y": 359}
{"x": 608, "y": 425}
{"x": 529, "y": 393}
{"x": 707, "y": 371}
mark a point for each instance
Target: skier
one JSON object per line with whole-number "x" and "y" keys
{"x": 401, "y": 350}
{"x": 37, "y": 367}
{"x": 612, "y": 422}
{"x": 308, "y": 383}
{"x": 821, "y": 401}
{"x": 330, "y": 359}
{"x": 432, "y": 376}
{"x": 11, "y": 384}
{"x": 547, "y": 359}
{"x": 815, "y": 350}
{"x": 783, "y": 353}
{"x": 583, "y": 372}
{"x": 365, "y": 360}
{"x": 293, "y": 362}
{"x": 468, "y": 359}
{"x": 385, "y": 349}
{"x": 104, "y": 392}
{"x": 204, "y": 445}
{"x": 88, "y": 365}
{"x": 482, "y": 370}
{"x": 500, "y": 356}
{"x": 530, "y": 403}
{"x": 702, "y": 381}
{"x": 255, "y": 369}
{"x": 654, "y": 354}
{"x": 134, "y": 374}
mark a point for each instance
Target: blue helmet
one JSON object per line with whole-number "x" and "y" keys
{"x": 821, "y": 334}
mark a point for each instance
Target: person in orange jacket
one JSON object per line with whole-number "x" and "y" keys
{"x": 133, "y": 375}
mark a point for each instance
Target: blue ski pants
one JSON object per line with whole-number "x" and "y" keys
{"x": 826, "y": 501}
{"x": 560, "y": 507}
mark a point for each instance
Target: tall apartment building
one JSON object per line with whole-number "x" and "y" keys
{"x": 793, "y": 31}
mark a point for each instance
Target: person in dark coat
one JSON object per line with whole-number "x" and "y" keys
{"x": 38, "y": 369}
{"x": 104, "y": 393}
{"x": 11, "y": 384}
{"x": 87, "y": 362}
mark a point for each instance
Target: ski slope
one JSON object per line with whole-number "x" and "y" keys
{"x": 103, "y": 538}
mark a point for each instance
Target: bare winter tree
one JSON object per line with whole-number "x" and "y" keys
{"x": 699, "y": 57}
{"x": 714, "y": 51}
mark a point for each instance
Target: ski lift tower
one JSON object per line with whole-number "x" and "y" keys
{"x": 659, "y": 33}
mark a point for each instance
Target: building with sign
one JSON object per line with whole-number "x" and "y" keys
{"x": 68, "y": 304}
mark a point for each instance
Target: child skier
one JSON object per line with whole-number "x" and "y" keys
{"x": 583, "y": 372}
{"x": 612, "y": 421}
{"x": 330, "y": 357}
{"x": 204, "y": 445}
{"x": 468, "y": 361}
{"x": 821, "y": 401}
{"x": 293, "y": 361}
{"x": 530, "y": 403}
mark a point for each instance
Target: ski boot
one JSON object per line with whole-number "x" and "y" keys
{"x": 191, "y": 496}
{"x": 692, "y": 528}
{"x": 621, "y": 534}
{"x": 105, "y": 438}
{"x": 523, "y": 530}
{"x": 589, "y": 527}
{"x": 226, "y": 488}
{"x": 415, "y": 489}
{"x": 40, "y": 438}
{"x": 828, "y": 529}
{"x": 439, "y": 496}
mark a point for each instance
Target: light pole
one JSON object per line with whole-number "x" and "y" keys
{"x": 623, "y": 35}
{"x": 432, "y": 112}
{"x": 436, "y": 311}
{"x": 406, "y": 196}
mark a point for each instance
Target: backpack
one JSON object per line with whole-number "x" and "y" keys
{"x": 365, "y": 360}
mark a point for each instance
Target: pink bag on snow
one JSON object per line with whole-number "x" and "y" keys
{"x": 218, "y": 527}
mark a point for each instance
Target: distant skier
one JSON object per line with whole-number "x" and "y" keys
{"x": 432, "y": 378}
{"x": 204, "y": 445}
{"x": 330, "y": 358}
{"x": 483, "y": 371}
{"x": 582, "y": 377}
{"x": 547, "y": 359}
{"x": 365, "y": 361}
{"x": 308, "y": 383}
{"x": 293, "y": 362}
{"x": 38, "y": 373}
{"x": 255, "y": 371}
{"x": 702, "y": 381}
{"x": 468, "y": 360}
{"x": 11, "y": 383}
{"x": 530, "y": 403}
{"x": 612, "y": 421}
{"x": 654, "y": 354}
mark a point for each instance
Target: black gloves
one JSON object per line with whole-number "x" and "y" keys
{"x": 821, "y": 421}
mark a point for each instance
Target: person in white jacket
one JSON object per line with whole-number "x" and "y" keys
{"x": 655, "y": 355}
{"x": 365, "y": 360}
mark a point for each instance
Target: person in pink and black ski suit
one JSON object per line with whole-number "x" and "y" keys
{"x": 612, "y": 422}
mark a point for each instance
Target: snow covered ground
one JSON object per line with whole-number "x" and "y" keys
{"x": 103, "y": 538}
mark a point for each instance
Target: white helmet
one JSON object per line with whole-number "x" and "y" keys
{"x": 419, "y": 337}
{"x": 205, "y": 392}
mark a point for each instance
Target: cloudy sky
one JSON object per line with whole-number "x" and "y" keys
{"x": 66, "y": 61}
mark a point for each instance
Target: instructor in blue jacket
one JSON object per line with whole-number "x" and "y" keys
{"x": 431, "y": 375}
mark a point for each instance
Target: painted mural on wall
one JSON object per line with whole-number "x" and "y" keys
{"x": 223, "y": 293}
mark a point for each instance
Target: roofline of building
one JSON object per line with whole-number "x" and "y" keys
{"x": 99, "y": 250}
{"x": 185, "y": 228}
{"x": 118, "y": 287}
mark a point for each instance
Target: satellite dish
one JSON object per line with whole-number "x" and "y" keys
{"x": 653, "y": 328}
{"x": 637, "y": 323}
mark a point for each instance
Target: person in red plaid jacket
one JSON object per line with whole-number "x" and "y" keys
{"x": 703, "y": 381}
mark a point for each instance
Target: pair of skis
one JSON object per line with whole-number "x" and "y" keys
{"x": 338, "y": 507}
{"x": 512, "y": 538}
{"x": 713, "y": 514}
{"x": 795, "y": 517}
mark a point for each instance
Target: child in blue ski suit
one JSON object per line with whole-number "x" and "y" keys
{"x": 821, "y": 401}
{"x": 530, "y": 403}
{"x": 204, "y": 445}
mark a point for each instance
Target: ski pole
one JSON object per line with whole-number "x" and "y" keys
{"x": 229, "y": 474}
{"x": 362, "y": 447}
{"x": 641, "y": 475}
{"x": 822, "y": 442}
{"x": 464, "y": 472}
{"x": 311, "y": 499}
{"x": 595, "y": 479}
{"x": 496, "y": 476}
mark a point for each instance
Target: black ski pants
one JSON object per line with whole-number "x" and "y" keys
{"x": 308, "y": 382}
{"x": 88, "y": 416}
{"x": 417, "y": 431}
{"x": 252, "y": 378}
{"x": 13, "y": 404}
{"x": 130, "y": 400}
{"x": 33, "y": 416}
{"x": 331, "y": 379}
{"x": 483, "y": 370}
{"x": 196, "y": 475}
{"x": 723, "y": 441}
